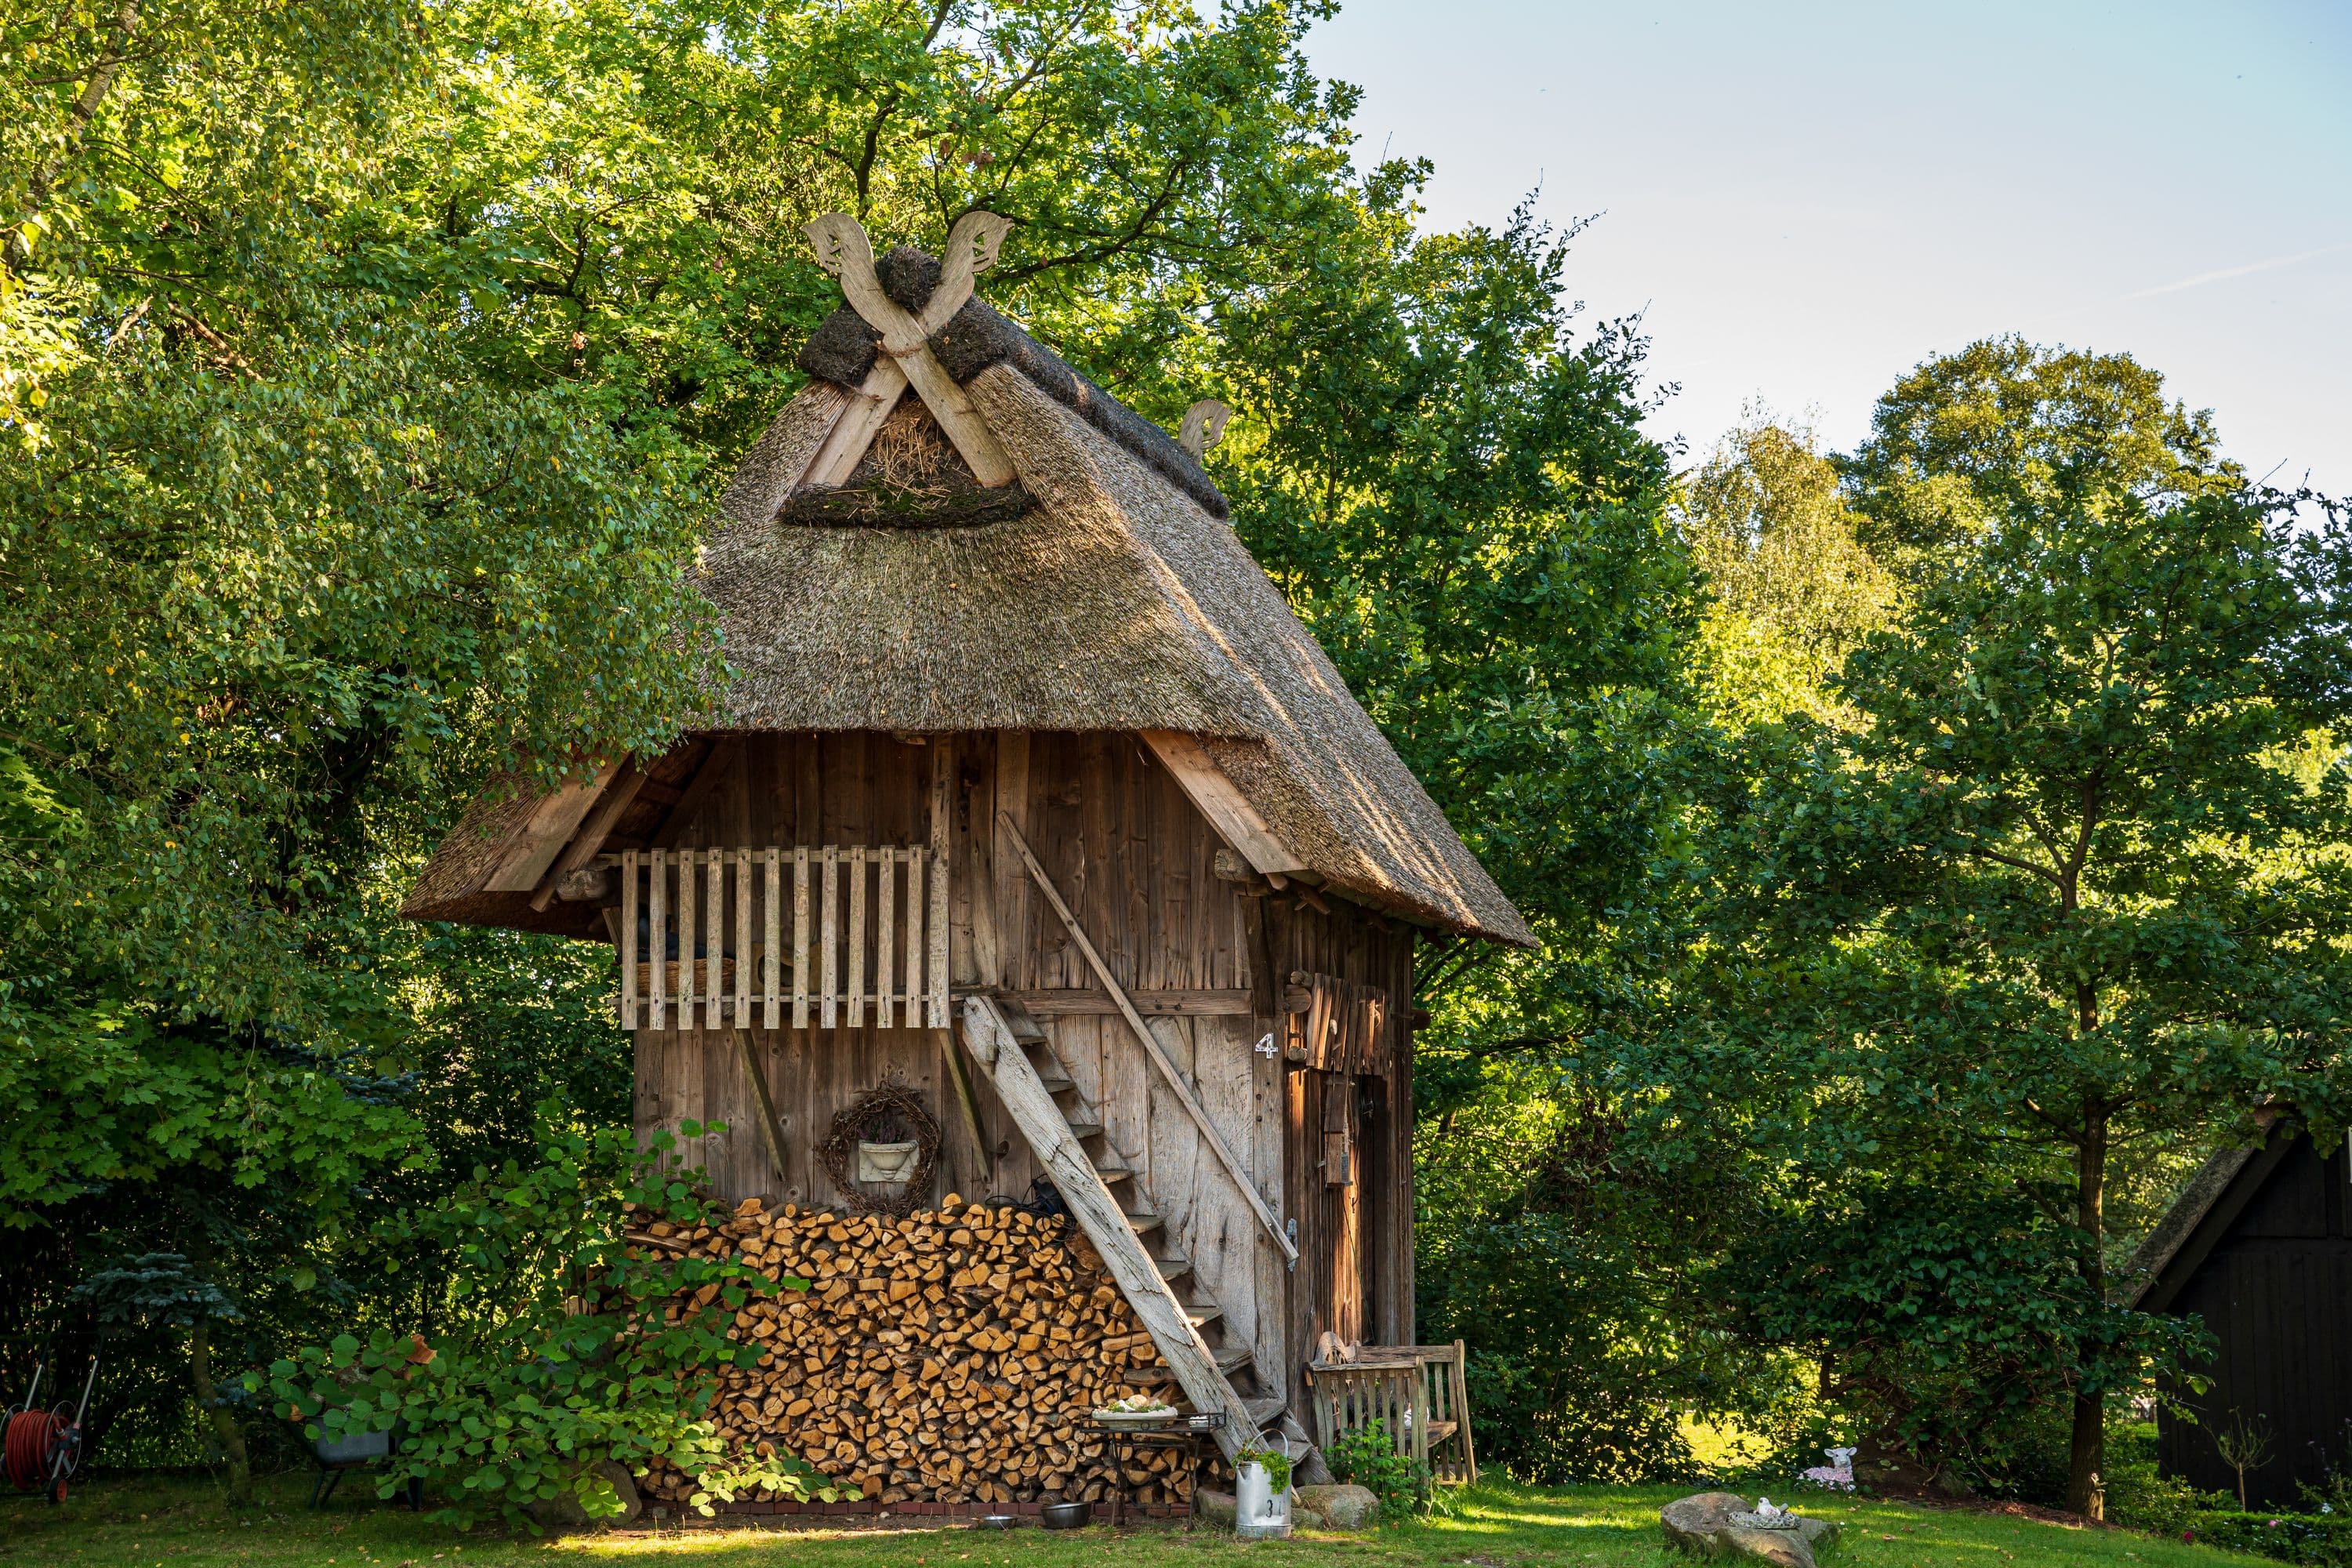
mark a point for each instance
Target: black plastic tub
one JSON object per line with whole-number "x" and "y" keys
{"x": 1065, "y": 1515}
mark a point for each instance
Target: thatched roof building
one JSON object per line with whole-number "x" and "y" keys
{"x": 1026, "y": 766}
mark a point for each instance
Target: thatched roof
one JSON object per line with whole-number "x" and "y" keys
{"x": 1116, "y": 600}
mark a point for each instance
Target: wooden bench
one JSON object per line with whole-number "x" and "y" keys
{"x": 1417, "y": 1392}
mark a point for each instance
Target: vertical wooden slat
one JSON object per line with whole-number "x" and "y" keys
{"x": 914, "y": 948}
{"x": 743, "y": 948}
{"x": 687, "y": 990}
{"x": 799, "y": 937}
{"x": 886, "y": 890}
{"x": 714, "y": 927}
{"x": 829, "y": 970}
{"x": 628, "y": 939}
{"x": 659, "y": 937}
{"x": 772, "y": 888}
{"x": 857, "y": 937}
{"x": 937, "y": 936}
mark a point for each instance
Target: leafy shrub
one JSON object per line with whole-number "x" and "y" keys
{"x": 574, "y": 1347}
{"x": 1368, "y": 1458}
{"x": 2320, "y": 1539}
{"x": 2140, "y": 1494}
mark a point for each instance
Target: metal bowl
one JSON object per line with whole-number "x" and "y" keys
{"x": 994, "y": 1521}
{"x": 1065, "y": 1515}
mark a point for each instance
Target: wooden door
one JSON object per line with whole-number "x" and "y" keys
{"x": 1339, "y": 1131}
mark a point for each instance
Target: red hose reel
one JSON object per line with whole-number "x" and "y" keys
{"x": 43, "y": 1448}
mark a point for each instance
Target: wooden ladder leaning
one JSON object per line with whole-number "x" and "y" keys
{"x": 1189, "y": 1328}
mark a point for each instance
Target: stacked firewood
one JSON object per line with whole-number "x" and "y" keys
{"x": 952, "y": 1356}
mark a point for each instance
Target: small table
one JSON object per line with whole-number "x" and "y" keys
{"x": 1179, "y": 1431}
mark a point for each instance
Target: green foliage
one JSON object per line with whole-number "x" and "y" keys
{"x": 2071, "y": 882}
{"x": 1368, "y": 1458}
{"x": 1276, "y": 1464}
{"x": 572, "y": 1348}
{"x": 1792, "y": 588}
{"x": 2141, "y": 1496}
{"x": 2287, "y": 1537}
{"x": 2003, "y": 429}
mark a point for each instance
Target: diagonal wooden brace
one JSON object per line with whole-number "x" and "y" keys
{"x": 843, "y": 250}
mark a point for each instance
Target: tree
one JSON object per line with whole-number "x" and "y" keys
{"x": 1792, "y": 588}
{"x": 2003, "y": 428}
{"x": 2079, "y": 877}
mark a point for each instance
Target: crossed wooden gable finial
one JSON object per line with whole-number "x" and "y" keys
{"x": 843, "y": 250}
{"x": 905, "y": 358}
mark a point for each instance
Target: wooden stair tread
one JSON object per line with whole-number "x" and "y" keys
{"x": 1232, "y": 1358}
{"x": 1188, "y": 1335}
{"x": 1264, "y": 1409}
{"x": 1055, "y": 1084}
{"x": 1173, "y": 1266}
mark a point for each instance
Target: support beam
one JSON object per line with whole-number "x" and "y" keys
{"x": 1151, "y": 1045}
{"x": 590, "y": 840}
{"x": 532, "y": 847}
{"x": 771, "y": 1131}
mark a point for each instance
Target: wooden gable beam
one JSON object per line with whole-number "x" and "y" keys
{"x": 534, "y": 844}
{"x": 594, "y": 830}
{"x": 1229, "y": 811}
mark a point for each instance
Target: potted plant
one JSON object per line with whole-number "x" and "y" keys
{"x": 1262, "y": 1493}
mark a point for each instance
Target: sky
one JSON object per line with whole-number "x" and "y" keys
{"x": 1802, "y": 201}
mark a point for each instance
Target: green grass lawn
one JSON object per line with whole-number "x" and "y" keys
{"x": 182, "y": 1524}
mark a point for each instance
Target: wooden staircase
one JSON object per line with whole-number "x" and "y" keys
{"x": 1186, "y": 1324}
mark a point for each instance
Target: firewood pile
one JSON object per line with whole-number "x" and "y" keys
{"x": 948, "y": 1357}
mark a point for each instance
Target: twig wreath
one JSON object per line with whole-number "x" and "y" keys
{"x": 890, "y": 1101}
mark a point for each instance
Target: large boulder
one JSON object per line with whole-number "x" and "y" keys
{"x": 564, "y": 1511}
{"x": 1720, "y": 1525}
{"x": 1338, "y": 1507}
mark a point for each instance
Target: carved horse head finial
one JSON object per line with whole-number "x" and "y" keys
{"x": 843, "y": 250}
{"x": 1204, "y": 422}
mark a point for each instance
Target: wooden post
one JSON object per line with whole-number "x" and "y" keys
{"x": 829, "y": 940}
{"x": 659, "y": 937}
{"x": 771, "y": 961}
{"x": 801, "y": 937}
{"x": 629, "y": 939}
{"x": 857, "y": 937}
{"x": 886, "y": 919}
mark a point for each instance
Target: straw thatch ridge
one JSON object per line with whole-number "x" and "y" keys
{"x": 1119, "y": 603}
{"x": 842, "y": 350}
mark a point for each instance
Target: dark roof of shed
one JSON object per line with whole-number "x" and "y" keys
{"x": 2197, "y": 1200}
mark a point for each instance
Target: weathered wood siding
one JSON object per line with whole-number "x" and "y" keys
{"x": 2275, "y": 1290}
{"x": 1355, "y": 1242}
{"x": 1136, "y": 862}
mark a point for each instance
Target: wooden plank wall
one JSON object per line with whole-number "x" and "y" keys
{"x": 1355, "y": 1242}
{"x": 847, "y": 788}
{"x": 2276, "y": 1293}
{"x": 1136, "y": 862}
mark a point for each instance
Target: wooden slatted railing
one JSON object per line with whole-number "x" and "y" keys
{"x": 823, "y": 937}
